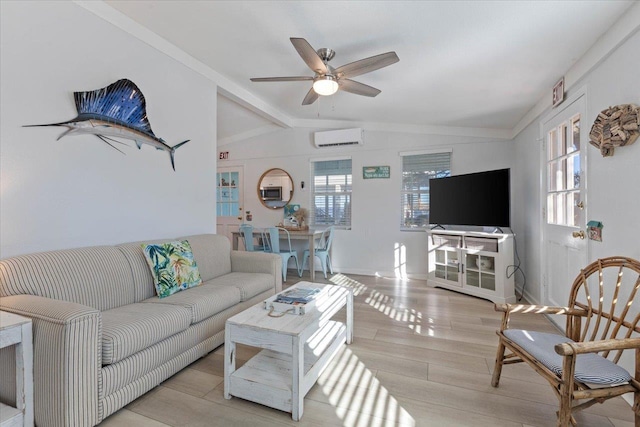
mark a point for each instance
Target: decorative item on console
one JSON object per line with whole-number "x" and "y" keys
{"x": 484, "y": 263}
{"x": 295, "y": 218}
{"x": 615, "y": 127}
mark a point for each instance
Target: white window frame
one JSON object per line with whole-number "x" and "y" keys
{"x": 345, "y": 220}
{"x": 427, "y": 159}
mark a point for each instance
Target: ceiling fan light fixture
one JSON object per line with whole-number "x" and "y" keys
{"x": 325, "y": 85}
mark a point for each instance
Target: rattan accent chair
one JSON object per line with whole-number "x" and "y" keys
{"x": 601, "y": 322}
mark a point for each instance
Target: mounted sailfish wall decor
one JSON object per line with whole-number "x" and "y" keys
{"x": 116, "y": 111}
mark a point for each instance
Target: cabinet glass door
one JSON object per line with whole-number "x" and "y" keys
{"x": 447, "y": 264}
{"x": 480, "y": 271}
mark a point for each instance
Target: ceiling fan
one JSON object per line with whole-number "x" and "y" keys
{"x": 327, "y": 79}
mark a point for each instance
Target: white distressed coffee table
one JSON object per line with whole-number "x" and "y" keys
{"x": 297, "y": 348}
{"x": 16, "y": 331}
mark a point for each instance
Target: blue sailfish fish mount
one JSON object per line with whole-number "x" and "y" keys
{"x": 116, "y": 111}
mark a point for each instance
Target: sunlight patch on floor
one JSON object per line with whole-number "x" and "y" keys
{"x": 400, "y": 261}
{"x": 354, "y": 391}
{"x": 386, "y": 305}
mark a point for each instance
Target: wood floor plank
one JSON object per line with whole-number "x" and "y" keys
{"x": 175, "y": 408}
{"x": 441, "y": 344}
{"x": 516, "y": 388}
{"x": 193, "y": 382}
{"x": 126, "y": 417}
{"x": 433, "y": 415}
{"x": 422, "y": 356}
{"x": 503, "y": 407}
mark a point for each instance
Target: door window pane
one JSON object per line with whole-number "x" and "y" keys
{"x": 552, "y": 145}
{"x": 573, "y": 171}
{"x": 563, "y": 173}
{"x": 574, "y": 215}
{"x": 228, "y": 194}
{"x": 562, "y": 140}
{"x": 551, "y": 208}
{"x": 556, "y": 175}
{"x": 575, "y": 135}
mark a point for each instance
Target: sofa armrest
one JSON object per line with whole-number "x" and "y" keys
{"x": 258, "y": 262}
{"x": 67, "y": 350}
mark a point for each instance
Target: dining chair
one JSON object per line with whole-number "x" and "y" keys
{"x": 321, "y": 251}
{"x": 285, "y": 253}
{"x": 246, "y": 232}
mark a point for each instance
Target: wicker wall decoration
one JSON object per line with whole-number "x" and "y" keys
{"x": 615, "y": 127}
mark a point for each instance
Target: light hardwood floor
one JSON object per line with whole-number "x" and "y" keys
{"x": 421, "y": 356}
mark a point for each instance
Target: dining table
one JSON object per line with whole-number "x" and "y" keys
{"x": 309, "y": 235}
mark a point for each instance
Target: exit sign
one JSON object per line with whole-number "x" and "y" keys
{"x": 224, "y": 155}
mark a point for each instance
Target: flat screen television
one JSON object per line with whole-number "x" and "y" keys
{"x": 480, "y": 199}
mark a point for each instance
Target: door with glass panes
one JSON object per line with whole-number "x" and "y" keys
{"x": 564, "y": 243}
{"x": 229, "y": 200}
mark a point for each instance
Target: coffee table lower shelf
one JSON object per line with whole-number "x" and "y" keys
{"x": 268, "y": 377}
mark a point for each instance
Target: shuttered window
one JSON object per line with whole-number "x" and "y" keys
{"x": 417, "y": 169}
{"x": 332, "y": 183}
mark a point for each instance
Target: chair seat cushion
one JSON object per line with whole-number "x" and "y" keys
{"x": 133, "y": 327}
{"x": 203, "y": 301}
{"x": 590, "y": 368}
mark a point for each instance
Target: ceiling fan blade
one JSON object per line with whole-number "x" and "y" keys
{"x": 367, "y": 65}
{"x": 358, "y": 88}
{"x": 309, "y": 55}
{"x": 311, "y": 97}
{"x": 281, "y": 79}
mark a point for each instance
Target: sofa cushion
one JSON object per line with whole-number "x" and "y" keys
{"x": 143, "y": 286}
{"x": 203, "y": 301}
{"x": 212, "y": 252}
{"x": 249, "y": 284}
{"x": 133, "y": 327}
{"x": 172, "y": 267}
{"x": 98, "y": 276}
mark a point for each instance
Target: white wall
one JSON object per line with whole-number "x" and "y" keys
{"x": 613, "y": 183}
{"x": 370, "y": 246}
{"x": 78, "y": 191}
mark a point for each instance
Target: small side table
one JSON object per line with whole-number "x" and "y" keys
{"x": 16, "y": 330}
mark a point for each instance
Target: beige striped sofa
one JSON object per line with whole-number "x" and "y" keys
{"x": 102, "y": 337}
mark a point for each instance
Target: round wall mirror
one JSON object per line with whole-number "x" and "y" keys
{"x": 275, "y": 188}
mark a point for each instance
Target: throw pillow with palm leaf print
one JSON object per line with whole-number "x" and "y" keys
{"x": 172, "y": 266}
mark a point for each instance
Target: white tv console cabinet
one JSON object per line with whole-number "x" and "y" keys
{"x": 472, "y": 262}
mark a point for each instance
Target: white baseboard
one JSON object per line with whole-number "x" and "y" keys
{"x": 389, "y": 274}
{"x": 530, "y": 298}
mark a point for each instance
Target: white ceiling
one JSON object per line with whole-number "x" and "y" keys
{"x": 477, "y": 64}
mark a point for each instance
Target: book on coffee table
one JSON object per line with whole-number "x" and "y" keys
{"x": 297, "y": 300}
{"x": 298, "y": 295}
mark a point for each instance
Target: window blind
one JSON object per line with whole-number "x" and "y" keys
{"x": 416, "y": 172}
{"x": 332, "y": 186}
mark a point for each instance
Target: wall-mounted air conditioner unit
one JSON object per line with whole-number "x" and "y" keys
{"x": 338, "y": 138}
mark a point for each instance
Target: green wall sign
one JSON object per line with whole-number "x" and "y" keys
{"x": 372, "y": 172}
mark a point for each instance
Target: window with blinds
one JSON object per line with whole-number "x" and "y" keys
{"x": 332, "y": 183}
{"x": 416, "y": 171}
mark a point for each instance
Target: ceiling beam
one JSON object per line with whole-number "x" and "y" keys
{"x": 225, "y": 86}
{"x": 624, "y": 28}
